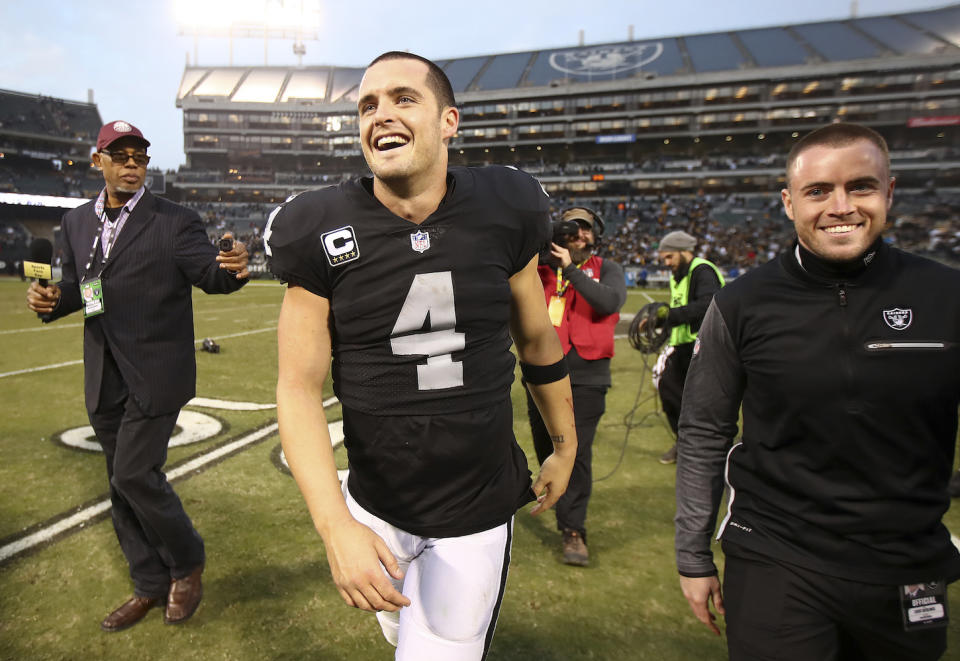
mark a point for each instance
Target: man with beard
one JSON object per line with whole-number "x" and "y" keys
{"x": 584, "y": 295}
{"x": 693, "y": 283}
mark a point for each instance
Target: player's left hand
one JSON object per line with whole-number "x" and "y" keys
{"x": 235, "y": 260}
{"x": 700, "y": 594}
{"x": 552, "y": 481}
{"x": 561, "y": 253}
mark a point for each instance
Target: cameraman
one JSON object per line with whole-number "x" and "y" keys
{"x": 584, "y": 295}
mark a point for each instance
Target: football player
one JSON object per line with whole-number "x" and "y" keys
{"x": 414, "y": 281}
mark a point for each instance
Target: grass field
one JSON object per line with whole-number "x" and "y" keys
{"x": 268, "y": 593}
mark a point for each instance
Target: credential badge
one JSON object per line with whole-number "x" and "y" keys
{"x": 341, "y": 246}
{"x": 898, "y": 319}
{"x": 420, "y": 241}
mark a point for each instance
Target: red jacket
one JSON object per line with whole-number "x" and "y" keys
{"x": 582, "y": 327}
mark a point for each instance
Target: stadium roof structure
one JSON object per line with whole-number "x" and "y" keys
{"x": 901, "y": 38}
{"x": 709, "y": 112}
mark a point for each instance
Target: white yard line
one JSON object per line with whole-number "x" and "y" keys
{"x": 79, "y": 519}
{"x": 68, "y": 363}
{"x": 41, "y": 368}
{"x": 44, "y": 534}
{"x": 39, "y": 329}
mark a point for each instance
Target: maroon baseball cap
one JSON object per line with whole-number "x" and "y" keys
{"x": 112, "y": 131}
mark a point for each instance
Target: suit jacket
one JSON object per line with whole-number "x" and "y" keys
{"x": 147, "y": 324}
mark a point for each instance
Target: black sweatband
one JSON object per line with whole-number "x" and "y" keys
{"x": 541, "y": 374}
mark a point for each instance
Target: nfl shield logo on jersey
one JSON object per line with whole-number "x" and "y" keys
{"x": 898, "y": 319}
{"x": 420, "y": 241}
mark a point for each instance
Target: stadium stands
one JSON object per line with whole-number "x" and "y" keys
{"x": 739, "y": 232}
{"x": 686, "y": 131}
{"x": 45, "y": 144}
{"x": 677, "y": 115}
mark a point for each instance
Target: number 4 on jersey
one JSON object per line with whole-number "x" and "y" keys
{"x": 430, "y": 295}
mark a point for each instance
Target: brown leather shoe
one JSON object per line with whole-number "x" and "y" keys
{"x": 184, "y": 597}
{"x": 131, "y": 612}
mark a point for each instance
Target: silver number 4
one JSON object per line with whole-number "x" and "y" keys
{"x": 430, "y": 295}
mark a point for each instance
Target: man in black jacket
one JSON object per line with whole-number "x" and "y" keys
{"x": 129, "y": 262}
{"x": 844, "y": 355}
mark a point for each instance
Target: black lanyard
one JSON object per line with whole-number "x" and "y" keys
{"x": 93, "y": 250}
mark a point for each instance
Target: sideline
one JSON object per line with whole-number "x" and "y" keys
{"x": 68, "y": 523}
{"x": 39, "y": 329}
{"x": 30, "y": 370}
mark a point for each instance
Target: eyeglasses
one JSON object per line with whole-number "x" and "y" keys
{"x": 120, "y": 157}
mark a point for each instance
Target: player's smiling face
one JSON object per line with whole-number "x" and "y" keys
{"x": 838, "y": 198}
{"x": 403, "y": 130}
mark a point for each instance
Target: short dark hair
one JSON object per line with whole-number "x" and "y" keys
{"x": 437, "y": 80}
{"x": 839, "y": 134}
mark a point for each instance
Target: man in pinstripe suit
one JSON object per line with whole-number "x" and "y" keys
{"x": 130, "y": 260}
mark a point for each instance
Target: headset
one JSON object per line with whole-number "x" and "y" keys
{"x": 597, "y": 220}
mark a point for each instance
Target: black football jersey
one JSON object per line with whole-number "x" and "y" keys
{"x": 420, "y": 327}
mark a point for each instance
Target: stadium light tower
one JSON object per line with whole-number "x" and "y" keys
{"x": 248, "y": 19}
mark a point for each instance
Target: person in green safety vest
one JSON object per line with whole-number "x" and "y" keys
{"x": 693, "y": 282}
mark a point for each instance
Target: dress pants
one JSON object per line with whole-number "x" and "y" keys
{"x": 155, "y": 533}
{"x": 589, "y": 403}
{"x": 777, "y": 611}
{"x": 672, "y": 380}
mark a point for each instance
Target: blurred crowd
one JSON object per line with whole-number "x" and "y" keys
{"x": 735, "y": 232}
{"x": 738, "y": 233}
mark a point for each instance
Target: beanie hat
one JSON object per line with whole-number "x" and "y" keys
{"x": 678, "y": 241}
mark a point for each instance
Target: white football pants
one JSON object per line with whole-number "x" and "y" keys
{"x": 455, "y": 585}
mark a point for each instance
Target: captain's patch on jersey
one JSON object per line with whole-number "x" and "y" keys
{"x": 341, "y": 246}
{"x": 420, "y": 241}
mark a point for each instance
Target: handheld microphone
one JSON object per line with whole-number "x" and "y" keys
{"x": 41, "y": 254}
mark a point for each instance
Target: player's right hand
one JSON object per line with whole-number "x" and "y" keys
{"x": 42, "y": 300}
{"x": 358, "y": 558}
